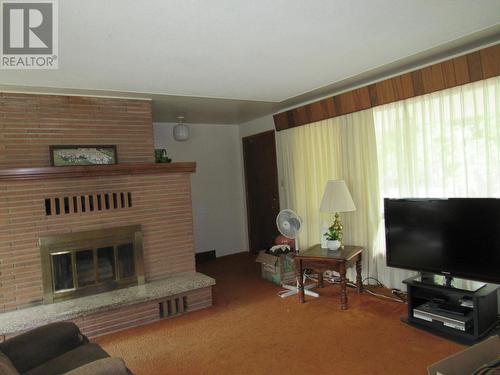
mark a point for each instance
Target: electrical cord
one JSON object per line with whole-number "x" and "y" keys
{"x": 397, "y": 292}
{"x": 399, "y": 299}
{"x": 373, "y": 278}
{"x": 336, "y": 280}
{"x": 400, "y": 295}
{"x": 403, "y": 296}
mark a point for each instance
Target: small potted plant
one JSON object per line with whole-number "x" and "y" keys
{"x": 161, "y": 156}
{"x": 333, "y": 238}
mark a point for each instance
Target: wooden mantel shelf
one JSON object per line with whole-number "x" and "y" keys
{"x": 42, "y": 173}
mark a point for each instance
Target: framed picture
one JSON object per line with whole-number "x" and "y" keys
{"x": 70, "y": 155}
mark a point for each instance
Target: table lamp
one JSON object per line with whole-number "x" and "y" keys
{"x": 337, "y": 198}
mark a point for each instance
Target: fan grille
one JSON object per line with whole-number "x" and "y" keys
{"x": 288, "y": 223}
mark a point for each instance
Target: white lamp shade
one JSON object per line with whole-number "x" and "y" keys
{"x": 337, "y": 198}
{"x": 181, "y": 132}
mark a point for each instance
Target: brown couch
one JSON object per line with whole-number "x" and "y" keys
{"x": 57, "y": 348}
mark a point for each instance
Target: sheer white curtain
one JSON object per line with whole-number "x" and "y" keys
{"x": 445, "y": 144}
{"x": 339, "y": 148}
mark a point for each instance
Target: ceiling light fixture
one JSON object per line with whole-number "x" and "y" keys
{"x": 181, "y": 131}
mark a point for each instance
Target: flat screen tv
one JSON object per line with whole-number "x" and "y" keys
{"x": 457, "y": 237}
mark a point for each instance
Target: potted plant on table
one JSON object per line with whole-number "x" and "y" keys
{"x": 333, "y": 238}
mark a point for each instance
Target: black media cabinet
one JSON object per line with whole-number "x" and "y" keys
{"x": 429, "y": 304}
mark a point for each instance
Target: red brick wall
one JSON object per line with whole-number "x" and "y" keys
{"x": 161, "y": 202}
{"x": 29, "y": 124}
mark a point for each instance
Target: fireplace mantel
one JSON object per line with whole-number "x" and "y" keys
{"x": 43, "y": 173}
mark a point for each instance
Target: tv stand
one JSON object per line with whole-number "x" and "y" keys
{"x": 460, "y": 310}
{"x": 448, "y": 282}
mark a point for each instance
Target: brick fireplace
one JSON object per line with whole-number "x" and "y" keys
{"x": 38, "y": 201}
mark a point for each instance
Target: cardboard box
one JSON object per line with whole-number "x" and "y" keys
{"x": 468, "y": 360}
{"x": 277, "y": 269}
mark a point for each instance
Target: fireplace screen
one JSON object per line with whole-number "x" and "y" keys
{"x": 77, "y": 264}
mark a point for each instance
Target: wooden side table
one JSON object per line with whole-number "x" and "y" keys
{"x": 321, "y": 260}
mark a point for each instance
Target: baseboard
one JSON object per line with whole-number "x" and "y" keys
{"x": 239, "y": 253}
{"x": 204, "y": 256}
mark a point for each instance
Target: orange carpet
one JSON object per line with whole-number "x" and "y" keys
{"x": 250, "y": 330}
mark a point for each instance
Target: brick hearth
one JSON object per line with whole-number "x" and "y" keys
{"x": 118, "y": 309}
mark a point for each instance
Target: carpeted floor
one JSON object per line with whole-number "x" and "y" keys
{"x": 250, "y": 330}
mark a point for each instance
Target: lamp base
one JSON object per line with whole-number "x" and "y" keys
{"x": 337, "y": 225}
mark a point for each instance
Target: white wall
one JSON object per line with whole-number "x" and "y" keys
{"x": 217, "y": 186}
{"x": 256, "y": 126}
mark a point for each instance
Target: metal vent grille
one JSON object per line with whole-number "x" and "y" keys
{"x": 173, "y": 307}
{"x": 85, "y": 203}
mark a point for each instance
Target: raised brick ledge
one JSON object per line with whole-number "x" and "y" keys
{"x": 41, "y": 173}
{"x": 17, "y": 321}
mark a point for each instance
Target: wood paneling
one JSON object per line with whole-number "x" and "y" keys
{"x": 490, "y": 62}
{"x": 29, "y": 124}
{"x": 475, "y": 67}
{"x": 461, "y": 70}
{"x": 432, "y": 78}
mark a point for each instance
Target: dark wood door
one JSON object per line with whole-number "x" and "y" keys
{"x": 261, "y": 179}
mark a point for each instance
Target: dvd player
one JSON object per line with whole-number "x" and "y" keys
{"x": 451, "y": 319}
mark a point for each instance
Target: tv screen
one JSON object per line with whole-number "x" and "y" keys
{"x": 457, "y": 236}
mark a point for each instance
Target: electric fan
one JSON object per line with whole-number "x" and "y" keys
{"x": 289, "y": 223}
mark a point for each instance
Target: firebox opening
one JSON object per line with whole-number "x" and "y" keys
{"x": 83, "y": 263}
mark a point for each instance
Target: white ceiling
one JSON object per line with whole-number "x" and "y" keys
{"x": 258, "y": 50}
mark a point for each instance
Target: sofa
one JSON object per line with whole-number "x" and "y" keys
{"x": 57, "y": 348}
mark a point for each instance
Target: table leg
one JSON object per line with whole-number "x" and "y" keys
{"x": 343, "y": 287}
{"x": 300, "y": 280}
{"x": 320, "y": 279}
{"x": 359, "y": 283}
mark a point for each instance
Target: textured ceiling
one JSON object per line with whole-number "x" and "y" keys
{"x": 257, "y": 55}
